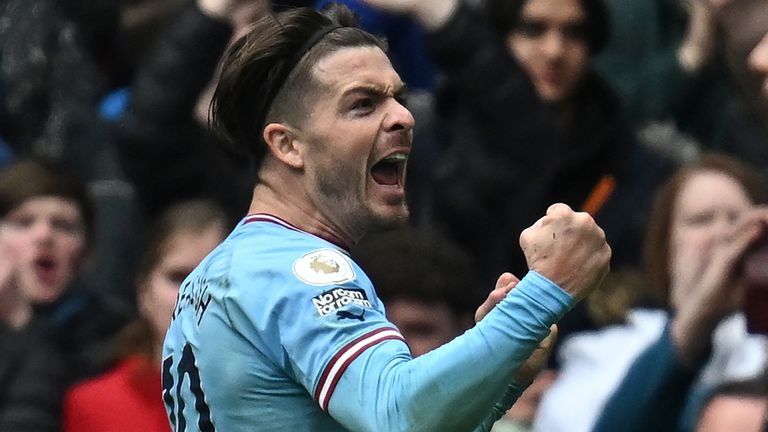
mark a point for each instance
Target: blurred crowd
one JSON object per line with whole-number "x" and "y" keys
{"x": 651, "y": 115}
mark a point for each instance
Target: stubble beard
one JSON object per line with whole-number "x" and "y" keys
{"x": 358, "y": 217}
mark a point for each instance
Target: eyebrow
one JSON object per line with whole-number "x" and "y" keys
{"x": 536, "y": 19}
{"x": 376, "y": 90}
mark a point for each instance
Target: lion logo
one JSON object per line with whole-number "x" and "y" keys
{"x": 324, "y": 265}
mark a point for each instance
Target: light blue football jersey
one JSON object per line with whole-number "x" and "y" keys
{"x": 279, "y": 330}
{"x": 263, "y": 330}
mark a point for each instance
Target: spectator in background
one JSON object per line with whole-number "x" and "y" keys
{"x": 676, "y": 359}
{"x": 32, "y": 381}
{"x": 704, "y": 220}
{"x": 50, "y": 88}
{"x": 758, "y": 61}
{"x": 32, "y": 376}
{"x": 127, "y": 398}
{"x": 680, "y": 67}
{"x": 744, "y": 23}
{"x": 165, "y": 147}
{"x": 663, "y": 59}
{"x": 745, "y": 26}
{"x": 522, "y": 121}
{"x": 170, "y": 49}
{"x": 48, "y": 222}
{"x": 735, "y": 406}
{"x": 422, "y": 279}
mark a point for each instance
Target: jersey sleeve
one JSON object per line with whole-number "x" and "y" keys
{"x": 315, "y": 315}
{"x": 314, "y": 312}
{"x": 459, "y": 386}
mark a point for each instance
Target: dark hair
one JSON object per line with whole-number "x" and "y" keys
{"x": 504, "y": 15}
{"x": 656, "y": 248}
{"x": 267, "y": 74}
{"x": 27, "y": 179}
{"x": 413, "y": 264}
{"x": 186, "y": 216}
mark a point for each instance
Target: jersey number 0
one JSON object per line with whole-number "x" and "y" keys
{"x": 175, "y": 406}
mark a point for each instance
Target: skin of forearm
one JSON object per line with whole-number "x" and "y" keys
{"x": 433, "y": 14}
{"x": 691, "y": 332}
{"x": 219, "y": 9}
{"x": 697, "y": 48}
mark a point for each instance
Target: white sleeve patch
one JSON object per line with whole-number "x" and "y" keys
{"x": 324, "y": 267}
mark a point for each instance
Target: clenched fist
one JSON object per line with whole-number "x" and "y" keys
{"x": 568, "y": 248}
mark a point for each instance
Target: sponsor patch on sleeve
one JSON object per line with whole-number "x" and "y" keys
{"x": 324, "y": 267}
{"x": 332, "y": 300}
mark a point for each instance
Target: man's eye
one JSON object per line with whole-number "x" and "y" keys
{"x": 531, "y": 29}
{"x": 66, "y": 225}
{"x": 19, "y": 222}
{"x": 701, "y": 219}
{"x": 366, "y": 104}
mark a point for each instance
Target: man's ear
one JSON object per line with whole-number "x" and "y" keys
{"x": 283, "y": 144}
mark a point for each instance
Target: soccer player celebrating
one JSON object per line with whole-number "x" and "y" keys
{"x": 278, "y": 329}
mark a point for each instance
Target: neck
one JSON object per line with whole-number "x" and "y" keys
{"x": 286, "y": 198}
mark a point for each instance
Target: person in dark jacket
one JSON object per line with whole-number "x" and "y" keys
{"x": 32, "y": 376}
{"x": 707, "y": 226}
{"x": 127, "y": 396}
{"x": 165, "y": 147}
{"x": 50, "y": 88}
{"x": 32, "y": 380}
{"x": 522, "y": 121}
{"x": 47, "y": 227}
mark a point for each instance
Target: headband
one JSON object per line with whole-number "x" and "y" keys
{"x": 290, "y": 65}
{"x": 309, "y": 44}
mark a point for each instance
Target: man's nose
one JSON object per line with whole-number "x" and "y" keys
{"x": 42, "y": 231}
{"x": 553, "y": 44}
{"x": 398, "y": 117}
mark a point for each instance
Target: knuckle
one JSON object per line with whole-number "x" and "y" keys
{"x": 585, "y": 218}
{"x": 559, "y": 208}
{"x": 608, "y": 252}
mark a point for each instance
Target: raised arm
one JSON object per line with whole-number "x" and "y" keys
{"x": 456, "y": 386}
{"x": 532, "y": 366}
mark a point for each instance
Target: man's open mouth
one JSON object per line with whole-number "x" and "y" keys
{"x": 389, "y": 171}
{"x": 45, "y": 267}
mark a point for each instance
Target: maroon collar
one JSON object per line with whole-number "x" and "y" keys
{"x": 266, "y": 217}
